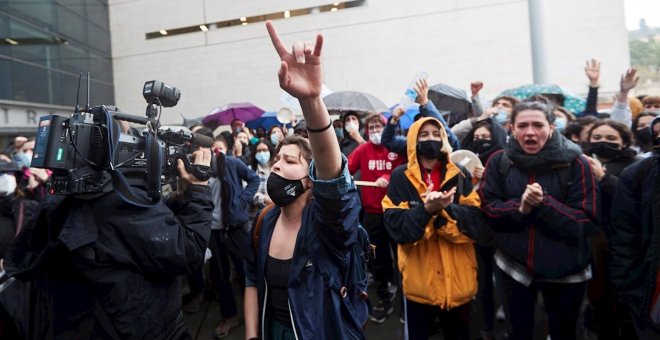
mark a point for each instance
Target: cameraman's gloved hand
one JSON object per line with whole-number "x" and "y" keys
{"x": 200, "y": 157}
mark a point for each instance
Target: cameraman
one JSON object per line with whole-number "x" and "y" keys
{"x": 100, "y": 268}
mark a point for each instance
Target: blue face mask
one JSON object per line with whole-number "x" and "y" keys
{"x": 275, "y": 139}
{"x": 339, "y": 132}
{"x": 22, "y": 159}
{"x": 502, "y": 117}
{"x": 262, "y": 157}
{"x": 560, "y": 124}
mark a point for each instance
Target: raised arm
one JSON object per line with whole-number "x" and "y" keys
{"x": 301, "y": 76}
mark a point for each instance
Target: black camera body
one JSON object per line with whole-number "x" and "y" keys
{"x": 86, "y": 150}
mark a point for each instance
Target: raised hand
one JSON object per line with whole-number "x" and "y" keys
{"x": 629, "y": 80}
{"x": 397, "y": 113}
{"x": 475, "y": 87}
{"x": 422, "y": 89}
{"x": 592, "y": 69}
{"x": 300, "y": 71}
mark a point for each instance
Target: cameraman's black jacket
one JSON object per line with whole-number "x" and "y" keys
{"x": 86, "y": 258}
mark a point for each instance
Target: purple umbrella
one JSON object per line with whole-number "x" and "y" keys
{"x": 225, "y": 115}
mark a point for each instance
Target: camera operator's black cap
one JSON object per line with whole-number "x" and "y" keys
{"x": 6, "y": 166}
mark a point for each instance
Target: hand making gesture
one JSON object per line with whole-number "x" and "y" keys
{"x": 300, "y": 70}
{"x": 301, "y": 76}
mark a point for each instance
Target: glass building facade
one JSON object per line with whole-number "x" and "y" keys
{"x": 45, "y": 44}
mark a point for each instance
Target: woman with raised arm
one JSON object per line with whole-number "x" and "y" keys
{"x": 312, "y": 227}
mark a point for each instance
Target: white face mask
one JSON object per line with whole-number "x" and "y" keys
{"x": 7, "y": 184}
{"x": 375, "y": 138}
{"x": 350, "y": 127}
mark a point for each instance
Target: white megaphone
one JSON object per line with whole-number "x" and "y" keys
{"x": 284, "y": 116}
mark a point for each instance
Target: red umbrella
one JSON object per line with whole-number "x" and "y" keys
{"x": 225, "y": 115}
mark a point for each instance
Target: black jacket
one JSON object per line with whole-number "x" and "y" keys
{"x": 552, "y": 240}
{"x": 11, "y": 209}
{"x": 86, "y": 258}
{"x": 610, "y": 181}
{"x": 635, "y": 237}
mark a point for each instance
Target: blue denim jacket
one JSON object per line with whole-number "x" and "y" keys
{"x": 329, "y": 220}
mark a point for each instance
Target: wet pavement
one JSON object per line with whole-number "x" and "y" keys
{"x": 203, "y": 323}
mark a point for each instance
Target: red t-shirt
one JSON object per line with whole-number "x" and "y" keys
{"x": 374, "y": 161}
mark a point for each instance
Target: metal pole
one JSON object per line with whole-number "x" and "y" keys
{"x": 538, "y": 41}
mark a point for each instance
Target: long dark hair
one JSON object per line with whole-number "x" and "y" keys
{"x": 253, "y": 155}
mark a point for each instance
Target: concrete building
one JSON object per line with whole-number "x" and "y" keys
{"x": 218, "y": 51}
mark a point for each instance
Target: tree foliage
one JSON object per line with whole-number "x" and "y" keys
{"x": 645, "y": 53}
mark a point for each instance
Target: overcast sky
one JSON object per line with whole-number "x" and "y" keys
{"x": 637, "y": 9}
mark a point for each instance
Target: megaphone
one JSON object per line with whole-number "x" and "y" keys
{"x": 284, "y": 116}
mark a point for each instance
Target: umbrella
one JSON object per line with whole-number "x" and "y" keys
{"x": 408, "y": 117}
{"x": 292, "y": 102}
{"x": 191, "y": 122}
{"x": 266, "y": 121}
{"x": 448, "y": 98}
{"x": 360, "y": 102}
{"x": 565, "y": 98}
{"x": 246, "y": 112}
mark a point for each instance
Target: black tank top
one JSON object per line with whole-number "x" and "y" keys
{"x": 277, "y": 276}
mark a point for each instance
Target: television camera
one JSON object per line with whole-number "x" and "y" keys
{"x": 89, "y": 154}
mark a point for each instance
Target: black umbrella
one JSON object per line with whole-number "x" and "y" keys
{"x": 342, "y": 101}
{"x": 451, "y": 99}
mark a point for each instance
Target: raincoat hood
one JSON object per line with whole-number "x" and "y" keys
{"x": 413, "y": 132}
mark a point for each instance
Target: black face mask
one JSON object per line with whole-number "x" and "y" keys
{"x": 605, "y": 150}
{"x": 481, "y": 145}
{"x": 283, "y": 191}
{"x": 644, "y": 138}
{"x": 430, "y": 149}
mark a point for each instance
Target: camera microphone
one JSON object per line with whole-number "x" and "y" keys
{"x": 201, "y": 140}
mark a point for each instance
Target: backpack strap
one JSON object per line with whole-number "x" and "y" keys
{"x": 256, "y": 231}
{"x": 505, "y": 165}
{"x": 565, "y": 180}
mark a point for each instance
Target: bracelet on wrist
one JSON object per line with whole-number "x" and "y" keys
{"x": 321, "y": 129}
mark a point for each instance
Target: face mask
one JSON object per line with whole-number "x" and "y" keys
{"x": 275, "y": 138}
{"x": 284, "y": 191}
{"x": 605, "y": 150}
{"x": 430, "y": 149}
{"x": 560, "y": 124}
{"x": 22, "y": 159}
{"x": 350, "y": 127}
{"x": 375, "y": 138}
{"x": 644, "y": 138}
{"x": 481, "y": 145}
{"x": 7, "y": 184}
{"x": 254, "y": 140}
{"x": 339, "y": 132}
{"x": 262, "y": 157}
{"x": 502, "y": 117}
{"x": 656, "y": 111}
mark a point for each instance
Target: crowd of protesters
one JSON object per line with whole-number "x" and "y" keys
{"x": 561, "y": 203}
